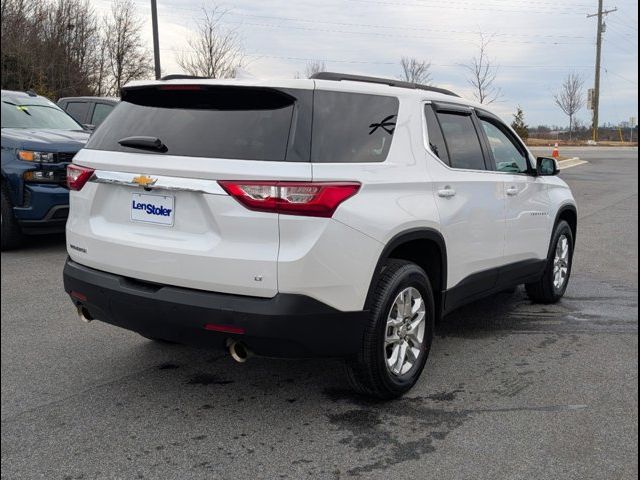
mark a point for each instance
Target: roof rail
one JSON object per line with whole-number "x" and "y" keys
{"x": 31, "y": 93}
{"x": 337, "y": 77}
{"x": 179, "y": 76}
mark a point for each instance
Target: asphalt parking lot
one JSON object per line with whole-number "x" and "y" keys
{"x": 512, "y": 390}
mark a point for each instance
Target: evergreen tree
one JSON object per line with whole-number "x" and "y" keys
{"x": 521, "y": 128}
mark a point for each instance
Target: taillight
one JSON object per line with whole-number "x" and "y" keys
{"x": 77, "y": 176}
{"x": 312, "y": 199}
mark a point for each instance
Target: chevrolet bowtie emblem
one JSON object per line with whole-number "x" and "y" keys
{"x": 144, "y": 181}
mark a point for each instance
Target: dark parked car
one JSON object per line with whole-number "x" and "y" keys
{"x": 38, "y": 141}
{"x": 88, "y": 111}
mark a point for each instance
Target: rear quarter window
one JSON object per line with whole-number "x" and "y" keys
{"x": 352, "y": 127}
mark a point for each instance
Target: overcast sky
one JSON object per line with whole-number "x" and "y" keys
{"x": 535, "y": 43}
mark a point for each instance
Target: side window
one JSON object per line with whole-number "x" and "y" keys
{"x": 436, "y": 140}
{"x": 462, "y": 140}
{"x": 78, "y": 110}
{"x": 352, "y": 127}
{"x": 100, "y": 112}
{"x": 507, "y": 155}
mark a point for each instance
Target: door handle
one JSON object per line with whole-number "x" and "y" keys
{"x": 446, "y": 192}
{"x": 512, "y": 191}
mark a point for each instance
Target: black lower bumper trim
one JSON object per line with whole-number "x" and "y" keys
{"x": 286, "y": 325}
{"x": 54, "y": 221}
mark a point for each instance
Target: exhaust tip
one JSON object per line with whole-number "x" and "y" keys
{"x": 84, "y": 314}
{"x": 238, "y": 351}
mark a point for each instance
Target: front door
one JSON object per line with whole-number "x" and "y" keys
{"x": 528, "y": 206}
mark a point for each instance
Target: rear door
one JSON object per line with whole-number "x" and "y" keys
{"x": 469, "y": 196}
{"x": 158, "y": 213}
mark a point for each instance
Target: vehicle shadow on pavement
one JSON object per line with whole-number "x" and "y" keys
{"x": 292, "y": 378}
{"x": 487, "y": 320}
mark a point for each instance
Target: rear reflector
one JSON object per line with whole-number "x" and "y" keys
{"x": 78, "y": 296}
{"x": 313, "y": 199}
{"x": 224, "y": 328}
{"x": 77, "y": 176}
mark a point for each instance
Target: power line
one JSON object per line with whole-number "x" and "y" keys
{"x": 347, "y": 61}
{"x": 609, "y": 72}
{"x": 389, "y": 35}
{"x": 569, "y": 8}
{"x": 620, "y": 24}
{"x": 448, "y": 7}
{"x": 404, "y": 27}
{"x": 481, "y": 6}
{"x": 377, "y": 26}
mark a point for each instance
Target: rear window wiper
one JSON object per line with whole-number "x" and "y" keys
{"x": 145, "y": 143}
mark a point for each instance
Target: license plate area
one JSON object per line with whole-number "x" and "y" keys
{"x": 151, "y": 208}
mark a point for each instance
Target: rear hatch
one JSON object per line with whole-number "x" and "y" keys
{"x": 154, "y": 210}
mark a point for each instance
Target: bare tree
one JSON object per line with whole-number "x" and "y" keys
{"x": 483, "y": 72}
{"x": 215, "y": 51}
{"x": 48, "y": 46}
{"x": 100, "y": 79}
{"x": 570, "y": 98}
{"x": 415, "y": 71}
{"x": 311, "y": 68}
{"x": 127, "y": 58}
{"x": 21, "y": 43}
{"x": 314, "y": 67}
{"x": 70, "y": 36}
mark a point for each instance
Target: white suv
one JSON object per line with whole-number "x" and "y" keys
{"x": 336, "y": 216}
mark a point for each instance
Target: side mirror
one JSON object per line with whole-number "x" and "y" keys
{"x": 546, "y": 166}
{"x": 88, "y": 127}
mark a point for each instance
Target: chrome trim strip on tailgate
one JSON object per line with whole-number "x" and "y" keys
{"x": 159, "y": 182}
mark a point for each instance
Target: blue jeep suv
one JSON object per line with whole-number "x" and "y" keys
{"x": 38, "y": 141}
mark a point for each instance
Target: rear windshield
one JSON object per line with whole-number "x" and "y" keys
{"x": 248, "y": 123}
{"x": 352, "y": 127}
{"x": 219, "y": 122}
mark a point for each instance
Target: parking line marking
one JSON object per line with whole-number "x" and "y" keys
{"x": 572, "y": 162}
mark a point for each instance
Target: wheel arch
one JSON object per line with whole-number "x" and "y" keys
{"x": 13, "y": 184}
{"x": 568, "y": 213}
{"x": 424, "y": 246}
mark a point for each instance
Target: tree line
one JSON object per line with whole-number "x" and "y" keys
{"x": 63, "y": 48}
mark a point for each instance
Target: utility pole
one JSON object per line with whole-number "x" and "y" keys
{"x": 156, "y": 42}
{"x": 596, "y": 94}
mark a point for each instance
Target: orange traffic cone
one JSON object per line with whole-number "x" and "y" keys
{"x": 556, "y": 152}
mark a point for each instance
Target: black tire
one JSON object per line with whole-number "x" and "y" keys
{"x": 11, "y": 236}
{"x": 544, "y": 290}
{"x": 368, "y": 373}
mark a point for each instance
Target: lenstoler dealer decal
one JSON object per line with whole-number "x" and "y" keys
{"x": 156, "y": 209}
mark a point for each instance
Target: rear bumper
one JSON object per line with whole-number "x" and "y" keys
{"x": 286, "y": 325}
